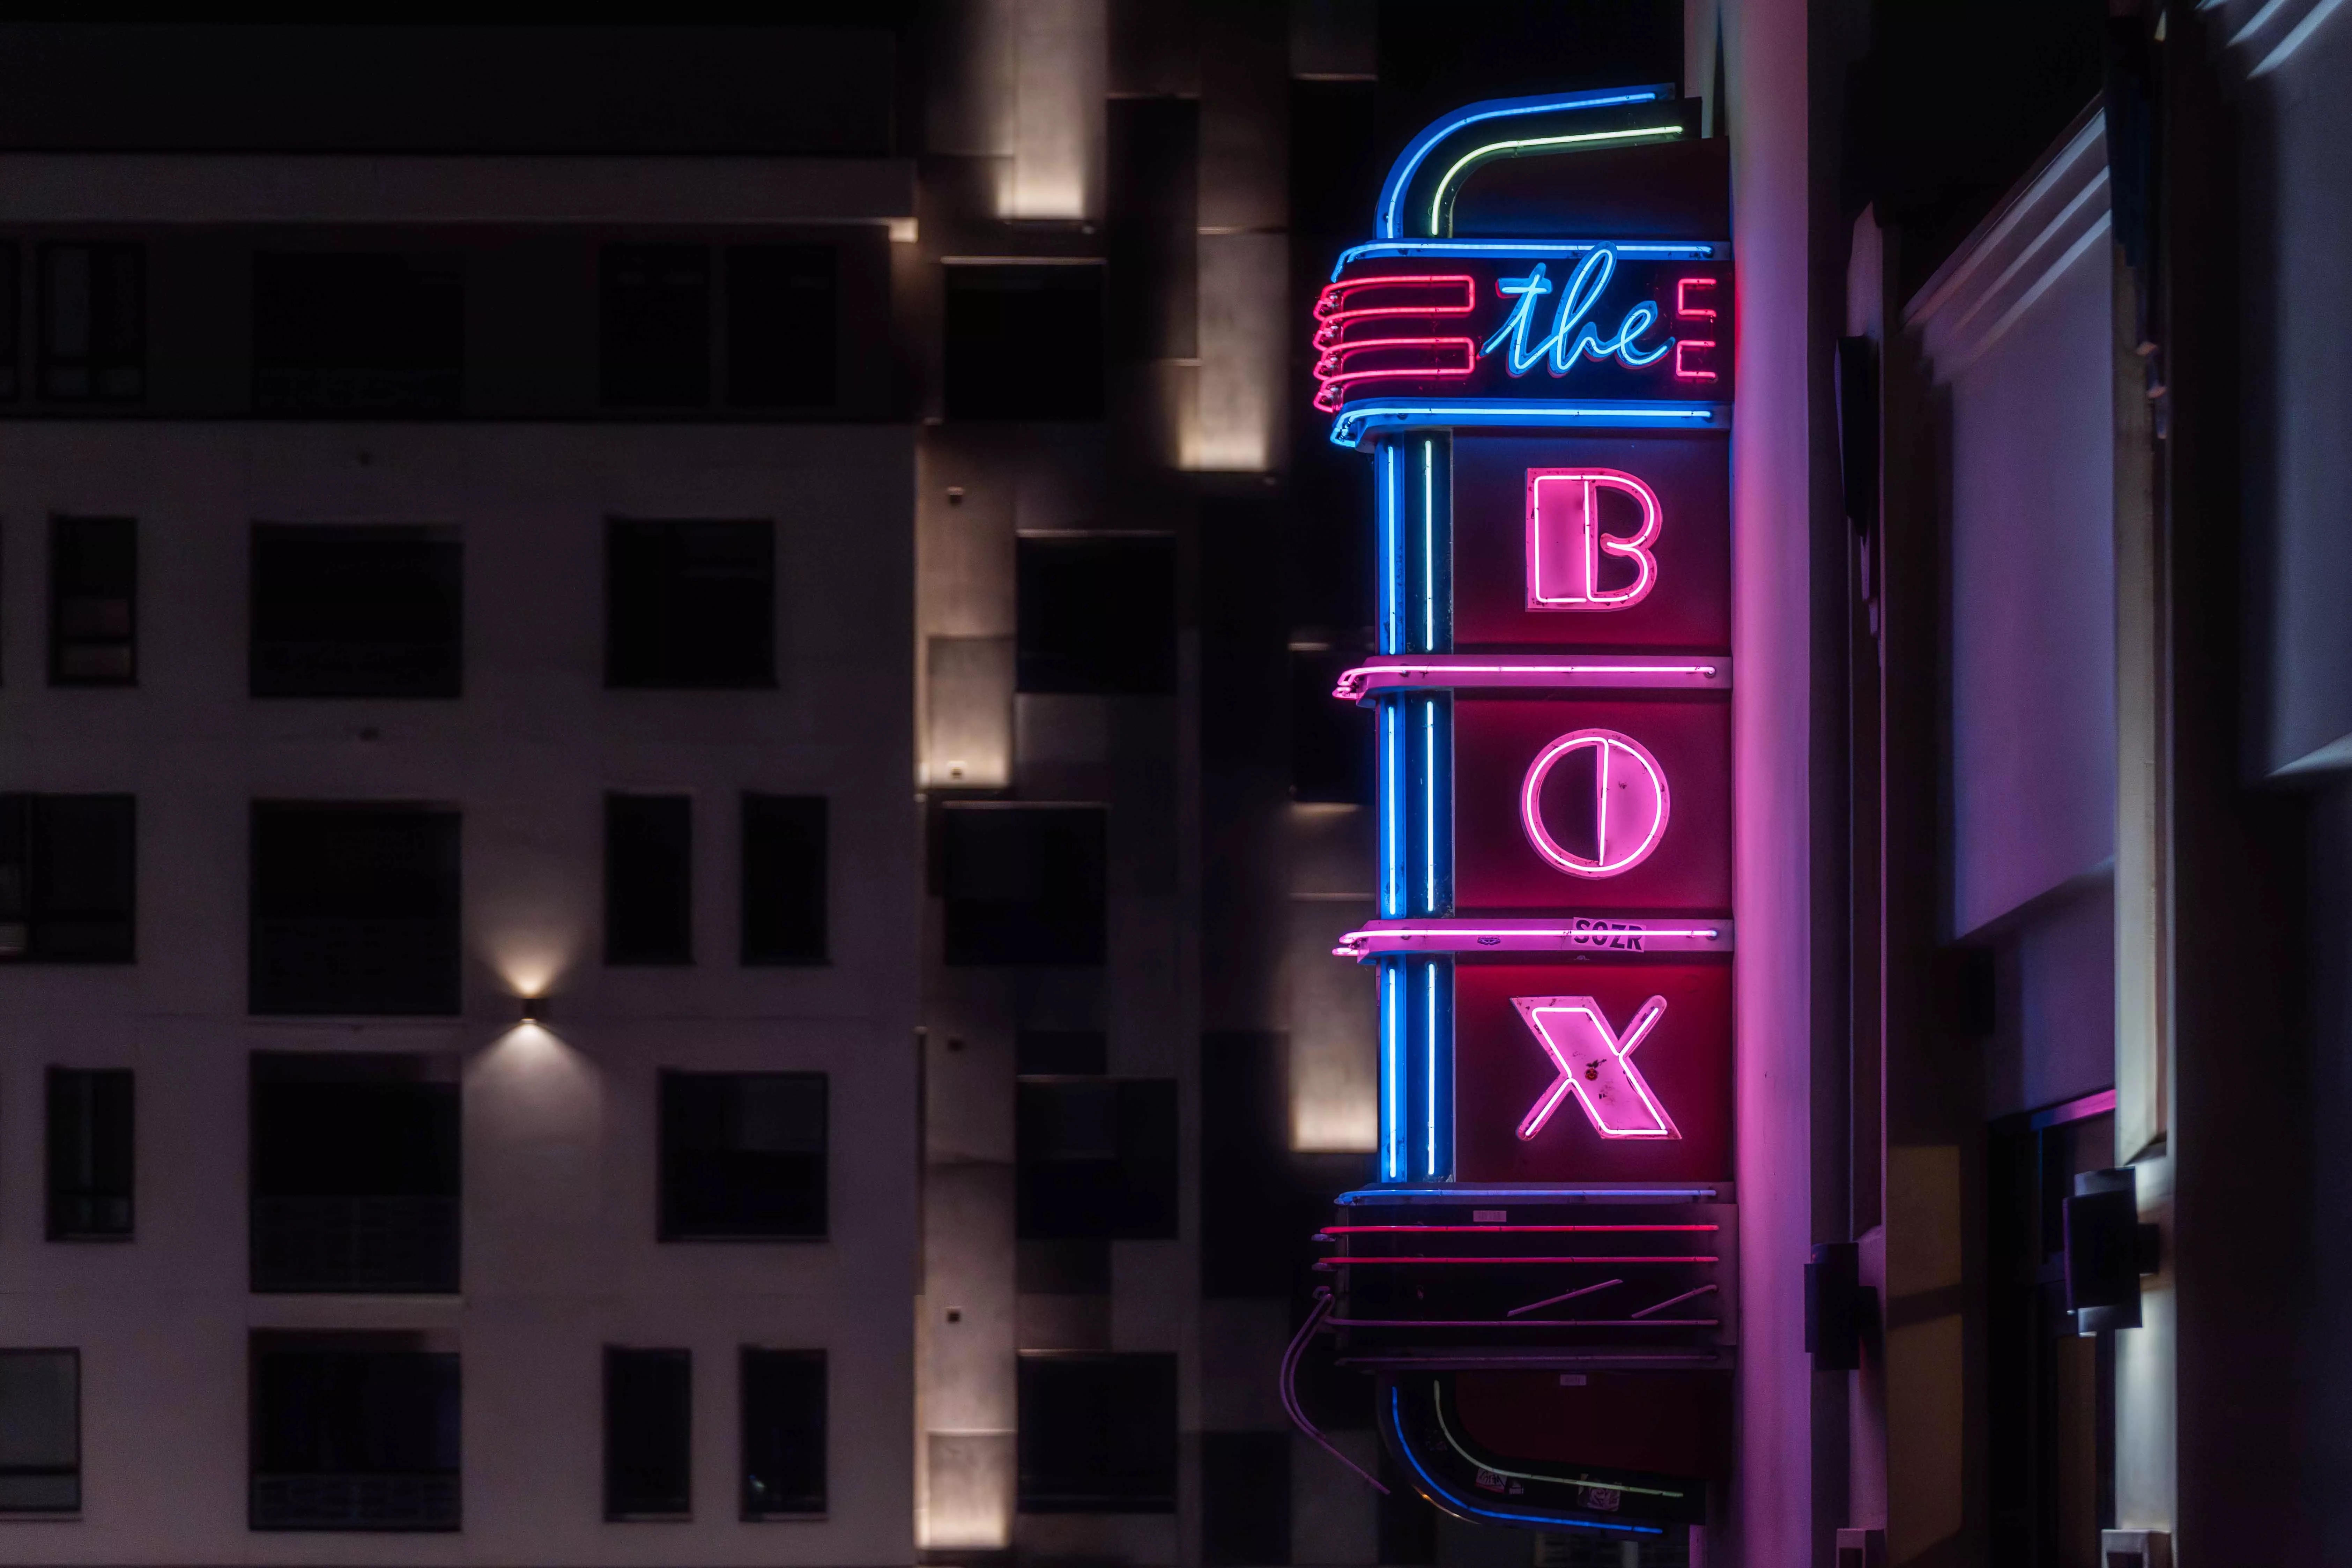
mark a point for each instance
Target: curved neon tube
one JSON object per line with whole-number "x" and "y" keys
{"x": 1407, "y": 164}
{"x": 1455, "y": 1444}
{"x": 1332, "y": 370}
{"x": 1396, "y": 1413}
{"x": 1528, "y": 145}
{"x": 1607, "y": 810}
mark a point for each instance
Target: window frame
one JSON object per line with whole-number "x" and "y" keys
{"x": 618, "y": 804}
{"x": 59, "y": 596}
{"x": 56, "y": 1227}
{"x": 668, "y": 1228}
{"x": 72, "y": 1355}
{"x": 24, "y": 848}
{"x": 669, "y": 1358}
{"x": 48, "y": 358}
{"x": 753, "y": 876}
{"x": 746, "y": 1512}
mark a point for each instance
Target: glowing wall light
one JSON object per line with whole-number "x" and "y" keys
{"x": 1237, "y": 422}
{"x": 1053, "y": 121}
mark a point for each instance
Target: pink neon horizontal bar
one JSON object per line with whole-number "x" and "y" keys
{"x": 1331, "y": 305}
{"x": 1565, "y": 671}
{"x": 1597, "y": 934}
{"x": 1654, "y": 1258}
{"x": 1525, "y": 1322}
{"x": 1491, "y": 1229}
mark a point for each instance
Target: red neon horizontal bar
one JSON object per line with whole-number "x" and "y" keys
{"x": 1524, "y": 1323}
{"x": 1331, "y": 304}
{"x": 1653, "y": 1257}
{"x": 1492, "y": 1229}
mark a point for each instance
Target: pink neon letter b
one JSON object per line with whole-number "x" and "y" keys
{"x": 1565, "y": 542}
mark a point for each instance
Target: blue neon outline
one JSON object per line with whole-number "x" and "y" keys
{"x": 1348, "y": 430}
{"x": 1429, "y": 544}
{"x": 1392, "y": 590}
{"x": 1409, "y": 162}
{"x": 1532, "y": 1194}
{"x": 1470, "y": 249}
{"x": 1430, "y": 1114}
{"x": 1396, "y": 1425}
{"x": 1429, "y": 798}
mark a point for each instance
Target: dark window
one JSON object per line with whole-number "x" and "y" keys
{"x": 742, "y": 1156}
{"x": 354, "y": 1432}
{"x": 784, "y": 888}
{"x": 780, "y": 326}
{"x": 784, "y": 1433}
{"x": 355, "y": 909}
{"x": 93, "y": 323}
{"x": 67, "y": 892}
{"x": 1331, "y": 741}
{"x": 1097, "y": 1159}
{"x": 357, "y": 610}
{"x": 353, "y": 334}
{"x": 1072, "y": 1052}
{"x": 93, "y": 601}
{"x": 1097, "y": 614}
{"x": 1098, "y": 1432}
{"x": 1246, "y": 1500}
{"x": 355, "y": 1169}
{"x": 91, "y": 1159}
{"x": 1024, "y": 342}
{"x": 41, "y": 1432}
{"x": 656, "y": 341}
{"x": 1025, "y": 884}
{"x": 648, "y": 1434}
{"x": 649, "y": 878}
{"x": 689, "y": 604}
{"x": 11, "y": 317}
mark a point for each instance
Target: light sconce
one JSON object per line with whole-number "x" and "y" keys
{"x": 534, "y": 1010}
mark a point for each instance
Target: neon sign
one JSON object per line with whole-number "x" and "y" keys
{"x": 1546, "y": 416}
{"x": 1389, "y": 323}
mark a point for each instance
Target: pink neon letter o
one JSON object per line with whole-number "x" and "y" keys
{"x": 1630, "y": 809}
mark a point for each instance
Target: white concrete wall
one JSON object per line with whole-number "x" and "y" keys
{"x": 2018, "y": 328}
{"x": 560, "y": 1255}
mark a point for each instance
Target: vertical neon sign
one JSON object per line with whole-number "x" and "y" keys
{"x": 1545, "y": 417}
{"x": 1577, "y": 405}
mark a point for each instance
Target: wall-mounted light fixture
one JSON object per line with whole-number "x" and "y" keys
{"x": 534, "y": 1009}
{"x": 2108, "y": 1250}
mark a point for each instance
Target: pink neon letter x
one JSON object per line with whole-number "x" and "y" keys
{"x": 1592, "y": 1058}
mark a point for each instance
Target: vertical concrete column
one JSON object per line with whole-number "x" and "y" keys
{"x": 1765, "y": 113}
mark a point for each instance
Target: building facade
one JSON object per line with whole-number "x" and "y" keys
{"x": 673, "y": 825}
{"x": 461, "y": 876}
